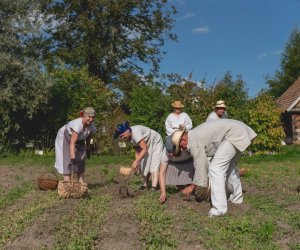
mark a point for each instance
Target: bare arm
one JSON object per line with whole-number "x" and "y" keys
{"x": 73, "y": 140}
{"x": 162, "y": 181}
{"x": 139, "y": 156}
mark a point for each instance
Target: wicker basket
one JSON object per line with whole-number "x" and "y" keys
{"x": 47, "y": 181}
{"x": 125, "y": 170}
{"x": 72, "y": 189}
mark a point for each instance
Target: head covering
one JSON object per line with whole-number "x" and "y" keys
{"x": 121, "y": 128}
{"x": 220, "y": 104}
{"x": 89, "y": 111}
{"x": 176, "y": 138}
{"x": 177, "y": 104}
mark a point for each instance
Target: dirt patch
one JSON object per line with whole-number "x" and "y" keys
{"x": 11, "y": 177}
{"x": 120, "y": 229}
{"x": 41, "y": 234}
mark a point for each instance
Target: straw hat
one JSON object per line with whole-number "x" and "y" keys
{"x": 177, "y": 104}
{"x": 176, "y": 138}
{"x": 220, "y": 104}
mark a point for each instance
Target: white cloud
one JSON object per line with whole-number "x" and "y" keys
{"x": 188, "y": 15}
{"x": 262, "y": 56}
{"x": 203, "y": 30}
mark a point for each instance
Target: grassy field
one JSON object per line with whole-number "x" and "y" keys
{"x": 30, "y": 218}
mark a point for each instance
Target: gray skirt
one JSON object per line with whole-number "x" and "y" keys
{"x": 180, "y": 173}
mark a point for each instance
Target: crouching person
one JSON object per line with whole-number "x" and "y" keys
{"x": 225, "y": 140}
{"x": 149, "y": 147}
{"x": 174, "y": 169}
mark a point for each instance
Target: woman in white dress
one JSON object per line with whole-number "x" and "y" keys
{"x": 148, "y": 144}
{"x": 178, "y": 119}
{"x": 72, "y": 144}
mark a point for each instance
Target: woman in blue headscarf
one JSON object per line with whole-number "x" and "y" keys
{"x": 149, "y": 147}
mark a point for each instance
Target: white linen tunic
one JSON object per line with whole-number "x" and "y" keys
{"x": 204, "y": 140}
{"x": 173, "y": 122}
{"x": 224, "y": 139}
{"x": 151, "y": 161}
{"x": 62, "y": 145}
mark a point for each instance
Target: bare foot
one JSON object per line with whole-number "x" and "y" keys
{"x": 189, "y": 189}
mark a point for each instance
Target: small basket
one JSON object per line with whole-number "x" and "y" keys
{"x": 125, "y": 170}
{"x": 72, "y": 189}
{"x": 47, "y": 182}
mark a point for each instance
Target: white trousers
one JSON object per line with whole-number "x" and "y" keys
{"x": 224, "y": 164}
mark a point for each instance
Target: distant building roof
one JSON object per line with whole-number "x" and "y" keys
{"x": 291, "y": 97}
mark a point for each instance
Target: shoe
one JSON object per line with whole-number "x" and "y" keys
{"x": 142, "y": 187}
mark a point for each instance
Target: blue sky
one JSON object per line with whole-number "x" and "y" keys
{"x": 245, "y": 37}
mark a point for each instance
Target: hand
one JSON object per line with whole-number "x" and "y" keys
{"x": 182, "y": 127}
{"x": 88, "y": 154}
{"x": 202, "y": 193}
{"x": 73, "y": 166}
{"x": 135, "y": 165}
{"x": 163, "y": 198}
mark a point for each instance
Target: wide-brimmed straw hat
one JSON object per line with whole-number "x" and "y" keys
{"x": 177, "y": 104}
{"x": 220, "y": 104}
{"x": 176, "y": 138}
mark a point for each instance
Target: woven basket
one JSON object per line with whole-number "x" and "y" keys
{"x": 72, "y": 189}
{"x": 125, "y": 170}
{"x": 47, "y": 181}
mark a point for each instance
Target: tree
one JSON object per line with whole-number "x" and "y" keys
{"x": 290, "y": 66}
{"x": 264, "y": 117}
{"x": 109, "y": 36}
{"x": 149, "y": 107}
{"x": 23, "y": 86}
{"x": 234, "y": 93}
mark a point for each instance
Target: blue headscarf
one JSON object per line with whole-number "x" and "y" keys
{"x": 121, "y": 128}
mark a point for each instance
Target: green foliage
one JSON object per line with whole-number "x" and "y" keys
{"x": 20, "y": 219}
{"x": 14, "y": 194}
{"x": 149, "y": 107}
{"x": 235, "y": 95}
{"x": 290, "y": 66}
{"x": 75, "y": 89}
{"x": 264, "y": 118}
{"x": 107, "y": 36}
{"x": 79, "y": 230}
{"x": 23, "y": 86}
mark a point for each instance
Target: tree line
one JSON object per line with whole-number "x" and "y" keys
{"x": 60, "y": 56}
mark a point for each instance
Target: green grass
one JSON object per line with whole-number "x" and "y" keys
{"x": 155, "y": 224}
{"x": 15, "y": 193}
{"x": 268, "y": 219}
{"x": 12, "y": 224}
{"x": 83, "y": 227}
